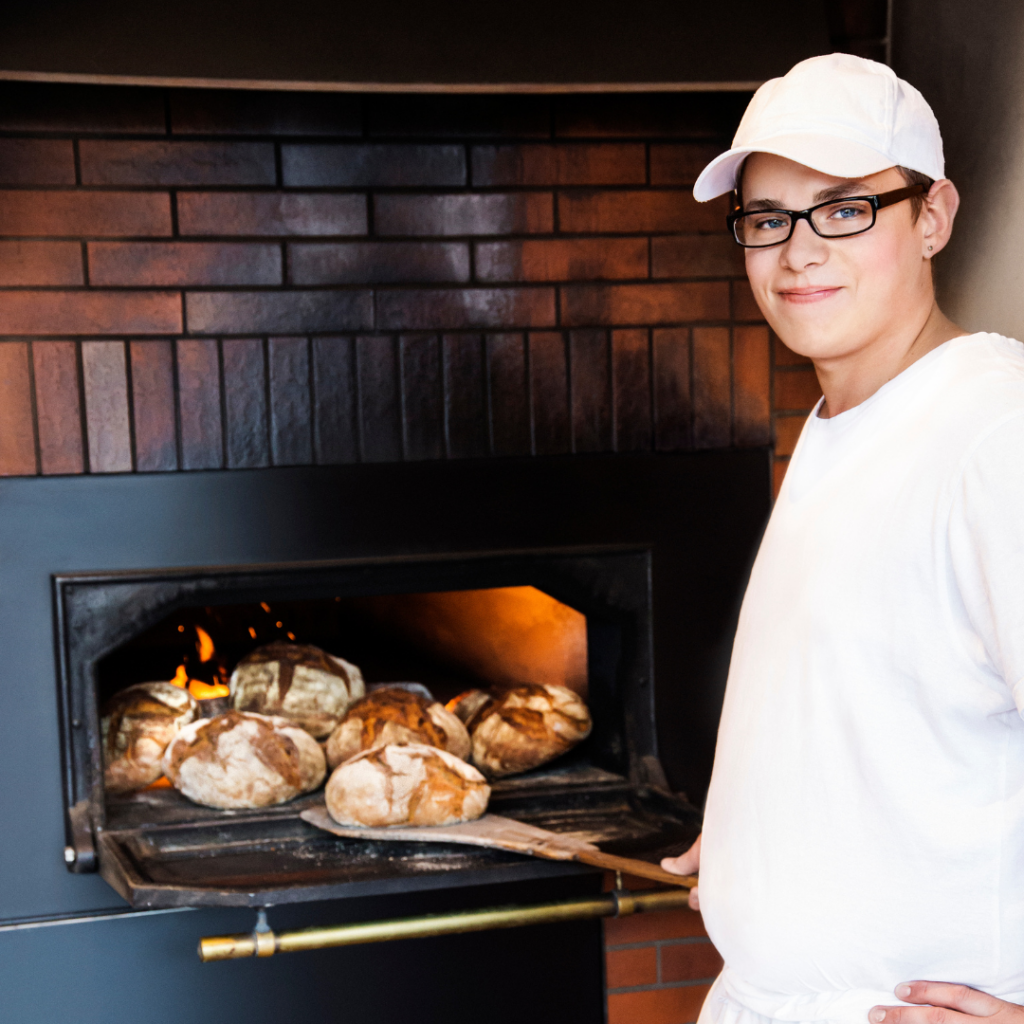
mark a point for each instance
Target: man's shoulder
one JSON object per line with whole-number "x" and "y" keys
{"x": 984, "y": 376}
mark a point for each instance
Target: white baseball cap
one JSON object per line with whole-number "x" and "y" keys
{"x": 841, "y": 115}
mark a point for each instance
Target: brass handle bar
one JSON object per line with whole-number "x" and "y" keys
{"x": 619, "y": 903}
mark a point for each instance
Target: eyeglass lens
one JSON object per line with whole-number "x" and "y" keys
{"x": 769, "y": 227}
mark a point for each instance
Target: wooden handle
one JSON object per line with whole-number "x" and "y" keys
{"x": 629, "y": 866}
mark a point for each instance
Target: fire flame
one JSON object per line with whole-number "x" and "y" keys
{"x": 199, "y": 689}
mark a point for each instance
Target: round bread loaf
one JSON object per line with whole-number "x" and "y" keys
{"x": 525, "y": 726}
{"x": 411, "y": 784}
{"x": 137, "y": 723}
{"x": 299, "y": 682}
{"x": 392, "y": 715}
{"x": 244, "y": 760}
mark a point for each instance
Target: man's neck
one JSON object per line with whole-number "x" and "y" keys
{"x": 847, "y": 382}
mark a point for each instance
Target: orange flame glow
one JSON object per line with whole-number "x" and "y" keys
{"x": 196, "y": 687}
{"x": 205, "y": 645}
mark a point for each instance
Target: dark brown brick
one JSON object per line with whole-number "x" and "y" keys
{"x": 106, "y": 162}
{"x": 35, "y": 107}
{"x": 374, "y": 166}
{"x": 465, "y": 396}
{"x": 199, "y": 393}
{"x": 50, "y": 312}
{"x": 631, "y": 386}
{"x": 264, "y": 213}
{"x": 549, "y": 393}
{"x": 245, "y": 403}
{"x": 696, "y": 256}
{"x": 422, "y": 396}
{"x": 681, "y": 163}
{"x": 689, "y": 961}
{"x": 787, "y": 433}
{"x": 277, "y": 312}
{"x": 625, "y": 968}
{"x": 378, "y": 262}
{"x": 440, "y": 309}
{"x": 89, "y": 214}
{"x": 678, "y": 1005}
{"x": 492, "y": 214}
{"x": 751, "y": 398}
{"x": 644, "y": 303}
{"x": 37, "y": 162}
{"x": 156, "y": 446}
{"x": 673, "y": 409}
{"x": 785, "y": 356}
{"x": 457, "y": 116}
{"x": 712, "y": 401}
{"x": 105, "y": 382}
{"x": 591, "y": 386}
{"x": 183, "y": 263}
{"x": 17, "y": 437}
{"x": 743, "y": 305}
{"x": 380, "y": 402}
{"x": 796, "y": 390}
{"x": 670, "y": 924}
{"x": 335, "y": 434}
{"x": 507, "y": 387}
{"x": 562, "y": 259}
{"x": 291, "y": 420}
{"x": 248, "y": 112}
{"x": 669, "y": 115}
{"x": 40, "y": 263}
{"x": 58, "y": 407}
{"x": 565, "y": 164}
{"x": 629, "y": 212}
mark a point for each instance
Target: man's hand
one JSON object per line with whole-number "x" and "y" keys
{"x": 942, "y": 1003}
{"x": 689, "y": 864}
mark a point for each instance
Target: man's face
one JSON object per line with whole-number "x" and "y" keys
{"x": 830, "y": 298}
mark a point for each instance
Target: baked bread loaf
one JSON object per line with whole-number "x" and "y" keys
{"x": 244, "y": 760}
{"x": 411, "y": 784}
{"x": 299, "y": 682}
{"x": 393, "y": 715}
{"x": 137, "y": 723}
{"x": 522, "y": 726}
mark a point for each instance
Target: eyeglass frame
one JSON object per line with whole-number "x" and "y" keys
{"x": 878, "y": 202}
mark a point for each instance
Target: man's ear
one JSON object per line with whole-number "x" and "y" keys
{"x": 940, "y": 206}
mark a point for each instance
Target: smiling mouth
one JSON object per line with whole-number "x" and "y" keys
{"x": 802, "y": 296}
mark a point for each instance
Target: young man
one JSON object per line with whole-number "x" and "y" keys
{"x": 865, "y": 821}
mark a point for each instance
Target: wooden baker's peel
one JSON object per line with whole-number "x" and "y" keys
{"x": 504, "y": 834}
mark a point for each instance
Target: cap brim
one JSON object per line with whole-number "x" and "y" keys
{"x": 826, "y": 153}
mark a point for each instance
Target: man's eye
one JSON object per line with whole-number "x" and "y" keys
{"x": 851, "y": 212}
{"x": 769, "y": 223}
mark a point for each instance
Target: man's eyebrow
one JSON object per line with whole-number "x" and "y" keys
{"x": 842, "y": 191}
{"x": 762, "y": 204}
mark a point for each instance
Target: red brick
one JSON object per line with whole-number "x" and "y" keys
{"x": 712, "y": 401}
{"x": 796, "y": 390}
{"x": 751, "y": 361}
{"x": 787, "y": 433}
{"x": 244, "y": 112}
{"x": 442, "y": 309}
{"x": 283, "y": 312}
{"x": 549, "y": 394}
{"x": 51, "y": 312}
{"x": 40, "y": 263}
{"x": 562, "y": 259}
{"x": 183, "y": 263}
{"x": 779, "y": 467}
{"x": 199, "y": 404}
{"x": 785, "y": 356}
{"x": 591, "y": 391}
{"x": 689, "y": 961}
{"x": 628, "y": 212}
{"x": 106, "y": 162}
{"x": 669, "y": 924}
{"x": 696, "y": 256}
{"x": 673, "y": 407}
{"x": 96, "y": 214}
{"x": 491, "y": 214}
{"x": 270, "y": 213}
{"x": 375, "y": 165}
{"x": 17, "y": 438}
{"x": 37, "y": 162}
{"x": 643, "y": 303}
{"x": 565, "y": 164}
{"x": 679, "y": 1005}
{"x": 105, "y": 380}
{"x": 153, "y": 406}
{"x": 631, "y": 387}
{"x": 625, "y": 968}
{"x": 681, "y": 163}
{"x": 378, "y": 262}
{"x": 58, "y": 407}
{"x": 744, "y": 306}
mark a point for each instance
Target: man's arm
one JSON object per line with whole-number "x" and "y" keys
{"x": 687, "y": 864}
{"x": 942, "y": 1003}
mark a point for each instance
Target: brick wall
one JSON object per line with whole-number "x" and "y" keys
{"x": 199, "y": 280}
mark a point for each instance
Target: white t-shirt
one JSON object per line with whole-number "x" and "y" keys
{"x": 865, "y": 822}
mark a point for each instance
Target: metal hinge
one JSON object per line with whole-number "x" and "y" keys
{"x": 80, "y": 855}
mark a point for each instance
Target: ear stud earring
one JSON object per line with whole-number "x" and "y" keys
{"x": 929, "y": 248}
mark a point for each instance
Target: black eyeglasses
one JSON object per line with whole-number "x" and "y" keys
{"x": 838, "y": 218}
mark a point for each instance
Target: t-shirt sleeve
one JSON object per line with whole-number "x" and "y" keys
{"x": 986, "y": 536}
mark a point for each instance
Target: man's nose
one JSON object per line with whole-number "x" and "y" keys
{"x": 805, "y": 247}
